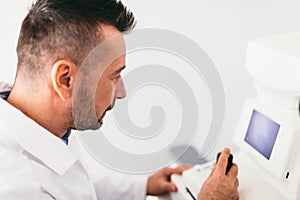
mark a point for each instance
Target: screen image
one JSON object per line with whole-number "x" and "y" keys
{"x": 262, "y": 133}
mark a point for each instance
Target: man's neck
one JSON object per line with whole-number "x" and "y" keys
{"x": 36, "y": 107}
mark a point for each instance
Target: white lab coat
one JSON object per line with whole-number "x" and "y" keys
{"x": 35, "y": 164}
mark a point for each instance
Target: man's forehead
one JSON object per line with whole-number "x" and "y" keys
{"x": 118, "y": 64}
{"x": 109, "y": 55}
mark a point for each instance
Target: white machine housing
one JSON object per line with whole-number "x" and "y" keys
{"x": 274, "y": 64}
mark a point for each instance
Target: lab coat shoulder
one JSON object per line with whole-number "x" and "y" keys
{"x": 17, "y": 177}
{"x": 18, "y": 174}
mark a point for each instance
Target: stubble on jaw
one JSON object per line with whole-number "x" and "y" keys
{"x": 84, "y": 115}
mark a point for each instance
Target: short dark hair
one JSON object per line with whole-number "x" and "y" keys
{"x": 56, "y": 29}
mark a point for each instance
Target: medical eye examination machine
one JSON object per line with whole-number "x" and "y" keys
{"x": 267, "y": 135}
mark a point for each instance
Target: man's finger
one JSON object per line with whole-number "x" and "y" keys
{"x": 236, "y": 183}
{"x": 178, "y": 170}
{"x": 233, "y": 172}
{"x": 169, "y": 187}
{"x": 182, "y": 168}
{"x": 223, "y": 160}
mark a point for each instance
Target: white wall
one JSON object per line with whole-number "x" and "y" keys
{"x": 221, "y": 27}
{"x": 11, "y": 16}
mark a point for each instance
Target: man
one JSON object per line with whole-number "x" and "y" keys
{"x": 37, "y": 112}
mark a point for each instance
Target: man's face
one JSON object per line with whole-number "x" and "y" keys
{"x": 110, "y": 88}
{"x": 99, "y": 87}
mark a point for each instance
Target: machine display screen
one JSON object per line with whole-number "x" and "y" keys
{"x": 262, "y": 133}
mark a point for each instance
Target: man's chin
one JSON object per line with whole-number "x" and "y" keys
{"x": 93, "y": 126}
{"x": 96, "y": 126}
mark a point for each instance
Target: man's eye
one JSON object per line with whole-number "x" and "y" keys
{"x": 117, "y": 78}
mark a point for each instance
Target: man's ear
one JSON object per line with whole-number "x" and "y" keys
{"x": 63, "y": 75}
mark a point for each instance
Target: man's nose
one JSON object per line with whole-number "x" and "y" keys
{"x": 120, "y": 92}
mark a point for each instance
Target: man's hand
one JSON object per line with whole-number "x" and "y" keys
{"x": 159, "y": 183}
{"x": 219, "y": 186}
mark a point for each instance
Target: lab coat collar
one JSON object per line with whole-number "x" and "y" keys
{"x": 35, "y": 139}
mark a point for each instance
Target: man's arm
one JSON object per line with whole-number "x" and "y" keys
{"x": 218, "y": 185}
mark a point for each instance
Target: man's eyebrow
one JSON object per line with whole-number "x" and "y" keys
{"x": 119, "y": 70}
